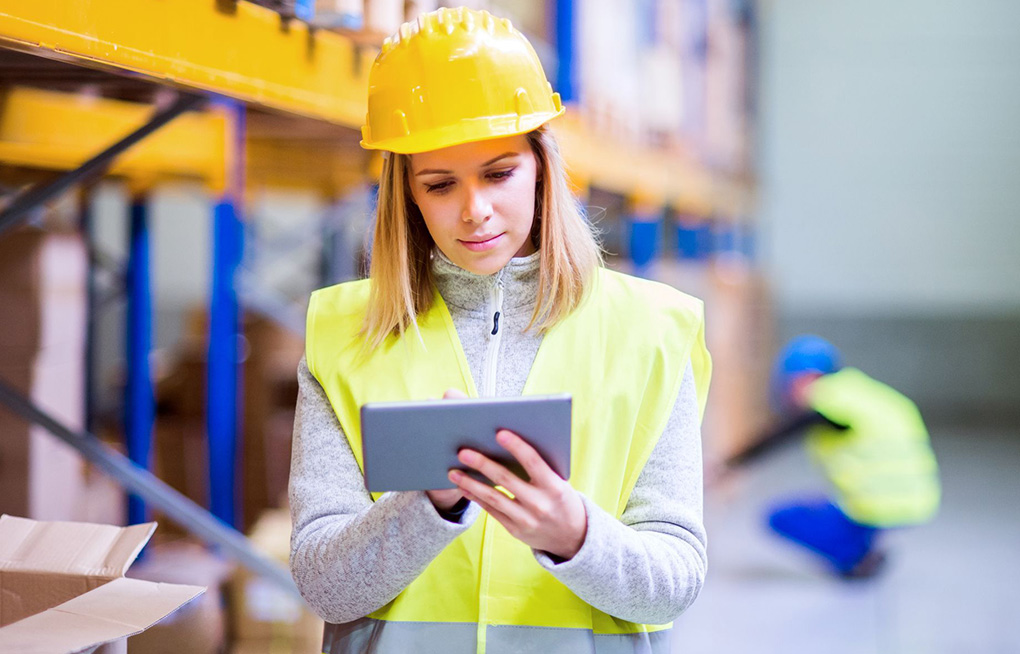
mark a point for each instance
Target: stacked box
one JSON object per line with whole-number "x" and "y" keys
{"x": 383, "y": 16}
{"x": 265, "y": 618}
{"x": 339, "y": 14}
{"x": 726, "y": 101}
{"x": 42, "y": 345}
{"x": 269, "y": 387}
{"x": 270, "y": 396}
{"x": 738, "y": 332}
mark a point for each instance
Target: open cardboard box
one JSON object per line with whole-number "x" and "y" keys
{"x": 63, "y": 590}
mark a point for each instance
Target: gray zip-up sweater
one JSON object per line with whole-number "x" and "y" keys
{"x": 351, "y": 556}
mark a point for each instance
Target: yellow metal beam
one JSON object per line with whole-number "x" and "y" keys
{"x": 248, "y": 52}
{"x": 279, "y": 164}
{"x": 60, "y": 131}
{"x": 236, "y": 49}
{"x": 644, "y": 175}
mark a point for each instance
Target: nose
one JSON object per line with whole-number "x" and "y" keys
{"x": 477, "y": 207}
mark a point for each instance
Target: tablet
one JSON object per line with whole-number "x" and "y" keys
{"x": 413, "y": 445}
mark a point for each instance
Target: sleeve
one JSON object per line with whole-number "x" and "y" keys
{"x": 649, "y": 565}
{"x": 350, "y": 555}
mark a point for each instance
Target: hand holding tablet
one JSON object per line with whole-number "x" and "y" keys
{"x": 543, "y": 511}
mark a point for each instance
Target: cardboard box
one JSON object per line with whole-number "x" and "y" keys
{"x": 198, "y": 628}
{"x": 383, "y": 16}
{"x": 739, "y": 333}
{"x": 42, "y": 330}
{"x": 270, "y": 394}
{"x": 63, "y": 590}
{"x": 265, "y": 618}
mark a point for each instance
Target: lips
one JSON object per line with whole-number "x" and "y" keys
{"x": 481, "y": 243}
{"x": 481, "y": 239}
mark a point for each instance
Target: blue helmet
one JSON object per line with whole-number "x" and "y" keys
{"x": 805, "y": 353}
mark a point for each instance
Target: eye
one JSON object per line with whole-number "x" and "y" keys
{"x": 501, "y": 175}
{"x": 438, "y": 188}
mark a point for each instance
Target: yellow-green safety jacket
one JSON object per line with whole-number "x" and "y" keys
{"x": 621, "y": 355}
{"x": 882, "y": 467}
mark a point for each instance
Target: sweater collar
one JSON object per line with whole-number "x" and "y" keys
{"x": 470, "y": 292}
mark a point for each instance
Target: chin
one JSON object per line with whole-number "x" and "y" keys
{"x": 485, "y": 268}
{"x": 488, "y": 265}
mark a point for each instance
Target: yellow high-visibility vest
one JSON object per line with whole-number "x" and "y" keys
{"x": 621, "y": 355}
{"x": 882, "y": 466}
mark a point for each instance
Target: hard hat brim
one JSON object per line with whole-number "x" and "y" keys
{"x": 465, "y": 131}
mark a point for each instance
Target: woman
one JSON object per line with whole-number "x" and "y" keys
{"x": 486, "y": 280}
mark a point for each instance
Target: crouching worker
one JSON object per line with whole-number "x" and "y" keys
{"x": 871, "y": 444}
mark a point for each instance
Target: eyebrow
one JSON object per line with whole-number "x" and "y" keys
{"x": 436, "y": 171}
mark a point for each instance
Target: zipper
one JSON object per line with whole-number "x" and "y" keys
{"x": 489, "y": 390}
{"x": 495, "y": 336}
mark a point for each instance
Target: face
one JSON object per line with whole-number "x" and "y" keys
{"x": 800, "y": 389}
{"x": 478, "y": 200}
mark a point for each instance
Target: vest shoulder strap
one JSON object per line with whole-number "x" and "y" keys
{"x": 343, "y": 306}
{"x": 661, "y": 316}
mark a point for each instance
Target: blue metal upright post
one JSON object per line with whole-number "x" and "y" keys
{"x": 222, "y": 399}
{"x": 139, "y": 400}
{"x": 645, "y": 225}
{"x": 694, "y": 237}
{"x": 566, "y": 82}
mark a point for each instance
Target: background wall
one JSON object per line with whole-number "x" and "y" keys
{"x": 889, "y": 168}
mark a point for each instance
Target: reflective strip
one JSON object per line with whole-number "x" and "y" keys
{"x": 506, "y": 639}
{"x": 651, "y": 642}
{"x": 369, "y": 636}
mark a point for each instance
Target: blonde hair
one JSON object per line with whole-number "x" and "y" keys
{"x": 401, "y": 272}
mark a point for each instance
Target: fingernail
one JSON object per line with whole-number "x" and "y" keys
{"x": 502, "y": 437}
{"x": 467, "y": 456}
{"x": 454, "y": 475}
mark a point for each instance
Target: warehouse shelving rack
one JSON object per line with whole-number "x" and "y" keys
{"x": 239, "y": 55}
{"x": 246, "y": 97}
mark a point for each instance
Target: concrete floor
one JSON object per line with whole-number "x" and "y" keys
{"x": 952, "y": 586}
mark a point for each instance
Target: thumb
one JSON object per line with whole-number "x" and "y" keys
{"x": 453, "y": 394}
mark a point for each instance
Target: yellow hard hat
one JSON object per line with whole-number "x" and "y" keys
{"x": 455, "y": 76}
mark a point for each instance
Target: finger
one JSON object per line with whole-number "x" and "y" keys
{"x": 490, "y": 497}
{"x": 536, "y": 467}
{"x": 454, "y": 394}
{"x": 500, "y": 517}
{"x": 496, "y": 472}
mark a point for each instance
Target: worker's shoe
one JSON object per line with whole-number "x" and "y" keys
{"x": 870, "y": 566}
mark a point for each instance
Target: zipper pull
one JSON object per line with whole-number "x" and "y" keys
{"x": 499, "y": 302}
